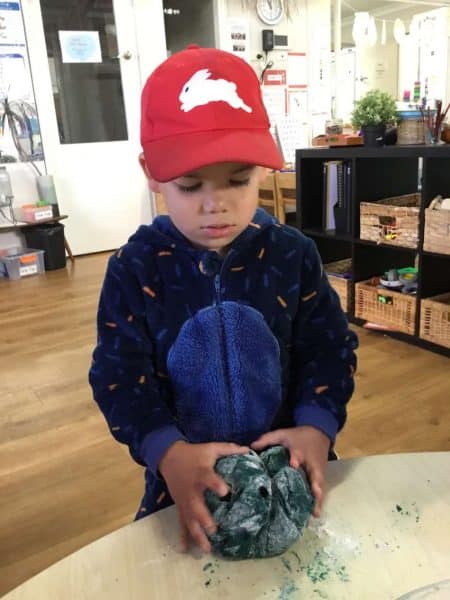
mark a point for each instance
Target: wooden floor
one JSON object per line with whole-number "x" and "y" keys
{"x": 65, "y": 482}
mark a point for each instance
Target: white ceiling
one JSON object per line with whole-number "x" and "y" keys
{"x": 388, "y": 10}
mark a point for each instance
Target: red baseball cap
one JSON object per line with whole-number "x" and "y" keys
{"x": 200, "y": 107}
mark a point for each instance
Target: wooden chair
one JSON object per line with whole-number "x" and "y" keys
{"x": 160, "y": 205}
{"x": 285, "y": 185}
{"x": 267, "y": 195}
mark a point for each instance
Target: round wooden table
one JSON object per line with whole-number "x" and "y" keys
{"x": 384, "y": 532}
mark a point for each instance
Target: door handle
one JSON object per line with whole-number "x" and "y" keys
{"x": 125, "y": 55}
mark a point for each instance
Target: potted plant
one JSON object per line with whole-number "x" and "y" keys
{"x": 372, "y": 113}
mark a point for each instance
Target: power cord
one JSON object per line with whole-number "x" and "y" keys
{"x": 11, "y": 219}
{"x": 268, "y": 64}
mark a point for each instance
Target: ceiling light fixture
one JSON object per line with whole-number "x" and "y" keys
{"x": 364, "y": 29}
{"x": 399, "y": 31}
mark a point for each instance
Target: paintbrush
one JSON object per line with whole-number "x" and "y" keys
{"x": 441, "y": 118}
{"x": 437, "y": 119}
{"x": 421, "y": 113}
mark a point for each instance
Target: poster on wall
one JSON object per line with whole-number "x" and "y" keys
{"x": 238, "y": 37}
{"x": 274, "y": 77}
{"x": 297, "y": 104}
{"x": 274, "y": 98}
{"x": 11, "y": 27}
{"x": 13, "y": 65}
{"x": 80, "y": 46}
{"x": 13, "y": 74}
{"x": 297, "y": 72}
{"x": 291, "y": 135}
{"x": 433, "y": 54}
{"x": 20, "y": 138}
{"x": 320, "y": 91}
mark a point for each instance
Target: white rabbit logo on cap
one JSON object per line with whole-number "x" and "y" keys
{"x": 200, "y": 90}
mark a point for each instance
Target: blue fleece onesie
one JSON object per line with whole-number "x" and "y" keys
{"x": 202, "y": 348}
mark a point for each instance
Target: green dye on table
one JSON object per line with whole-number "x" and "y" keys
{"x": 289, "y": 588}
{"x": 323, "y": 567}
{"x": 286, "y": 563}
{"x": 342, "y": 573}
{"x": 318, "y": 570}
{"x": 408, "y": 511}
{"x": 297, "y": 557}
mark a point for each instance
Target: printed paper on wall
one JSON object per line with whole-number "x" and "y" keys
{"x": 80, "y": 46}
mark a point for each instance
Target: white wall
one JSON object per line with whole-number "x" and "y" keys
{"x": 377, "y": 67}
{"x": 308, "y": 31}
{"x": 408, "y": 65}
{"x": 318, "y": 35}
{"x": 295, "y": 29}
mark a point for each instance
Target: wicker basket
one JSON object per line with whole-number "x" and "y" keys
{"x": 341, "y": 285}
{"x": 395, "y": 310}
{"x": 437, "y": 231}
{"x": 392, "y": 221}
{"x": 435, "y": 320}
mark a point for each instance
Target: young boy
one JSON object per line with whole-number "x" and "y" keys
{"x": 217, "y": 328}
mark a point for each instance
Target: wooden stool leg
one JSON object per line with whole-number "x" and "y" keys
{"x": 67, "y": 247}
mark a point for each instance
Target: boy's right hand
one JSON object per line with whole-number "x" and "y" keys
{"x": 188, "y": 470}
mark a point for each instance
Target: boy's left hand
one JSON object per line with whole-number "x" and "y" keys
{"x": 308, "y": 448}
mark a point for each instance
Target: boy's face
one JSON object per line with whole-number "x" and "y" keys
{"x": 212, "y": 205}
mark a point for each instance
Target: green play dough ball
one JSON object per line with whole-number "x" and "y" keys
{"x": 267, "y": 508}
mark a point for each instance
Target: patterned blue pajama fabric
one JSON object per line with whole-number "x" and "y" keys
{"x": 193, "y": 346}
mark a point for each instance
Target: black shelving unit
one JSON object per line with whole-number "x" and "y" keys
{"x": 378, "y": 173}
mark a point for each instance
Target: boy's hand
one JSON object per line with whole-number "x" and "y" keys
{"x": 188, "y": 470}
{"x": 308, "y": 447}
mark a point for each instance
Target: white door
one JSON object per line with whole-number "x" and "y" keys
{"x": 89, "y": 61}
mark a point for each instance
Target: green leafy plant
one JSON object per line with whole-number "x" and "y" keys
{"x": 375, "y": 108}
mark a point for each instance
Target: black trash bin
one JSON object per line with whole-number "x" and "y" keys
{"x": 48, "y": 237}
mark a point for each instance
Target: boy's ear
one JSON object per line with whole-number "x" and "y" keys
{"x": 153, "y": 184}
{"x": 262, "y": 174}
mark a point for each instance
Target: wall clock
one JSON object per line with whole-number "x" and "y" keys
{"x": 270, "y": 11}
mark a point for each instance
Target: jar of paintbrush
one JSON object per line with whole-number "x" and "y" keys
{"x": 445, "y": 133}
{"x": 433, "y": 120}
